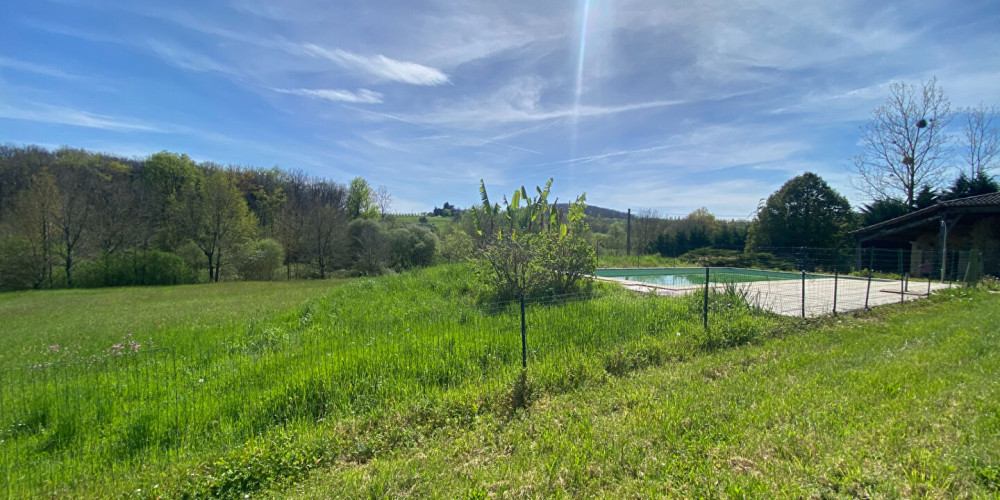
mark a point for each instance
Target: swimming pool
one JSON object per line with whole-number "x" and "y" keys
{"x": 691, "y": 276}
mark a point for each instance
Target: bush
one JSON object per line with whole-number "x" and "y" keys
{"x": 135, "y": 268}
{"x": 261, "y": 261}
{"x": 192, "y": 256}
{"x": 536, "y": 265}
{"x": 457, "y": 246}
{"x": 563, "y": 261}
{"x": 714, "y": 257}
{"x": 369, "y": 246}
{"x": 411, "y": 246}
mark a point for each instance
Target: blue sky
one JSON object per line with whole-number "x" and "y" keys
{"x": 669, "y": 105}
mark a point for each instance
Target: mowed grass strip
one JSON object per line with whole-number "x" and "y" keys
{"x": 902, "y": 403}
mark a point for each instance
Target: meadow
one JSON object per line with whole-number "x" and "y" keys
{"x": 436, "y": 222}
{"x": 405, "y": 385}
{"x": 902, "y": 402}
{"x": 210, "y": 397}
{"x": 85, "y": 322}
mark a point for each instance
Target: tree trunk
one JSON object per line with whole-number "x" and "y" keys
{"x": 218, "y": 260}
{"x": 211, "y": 268}
{"x": 69, "y": 267}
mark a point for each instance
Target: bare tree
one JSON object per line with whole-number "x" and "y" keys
{"x": 904, "y": 143}
{"x": 981, "y": 145}
{"x": 383, "y": 198}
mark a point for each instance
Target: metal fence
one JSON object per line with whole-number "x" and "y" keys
{"x": 99, "y": 422}
{"x": 105, "y": 417}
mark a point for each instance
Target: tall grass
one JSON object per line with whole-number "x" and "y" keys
{"x": 235, "y": 409}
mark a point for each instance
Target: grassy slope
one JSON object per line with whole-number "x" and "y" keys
{"x": 905, "y": 403}
{"x": 437, "y": 222}
{"x": 96, "y": 318}
{"x": 233, "y": 410}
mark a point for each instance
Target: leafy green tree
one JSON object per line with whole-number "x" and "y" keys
{"x": 535, "y": 248}
{"x": 168, "y": 176}
{"x": 805, "y": 212}
{"x": 79, "y": 183}
{"x": 215, "y": 216}
{"x": 32, "y": 220}
{"x": 369, "y": 242}
{"x": 361, "y": 199}
{"x": 324, "y": 225}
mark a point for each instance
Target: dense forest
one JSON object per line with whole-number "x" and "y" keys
{"x": 73, "y": 218}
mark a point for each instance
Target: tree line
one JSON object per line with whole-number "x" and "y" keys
{"x": 70, "y": 217}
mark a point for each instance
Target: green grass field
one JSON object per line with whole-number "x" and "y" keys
{"x": 231, "y": 409}
{"x": 435, "y": 222}
{"x": 904, "y": 403}
{"x": 90, "y": 321}
{"x": 403, "y": 386}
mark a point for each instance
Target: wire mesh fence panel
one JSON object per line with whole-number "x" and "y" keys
{"x": 69, "y": 424}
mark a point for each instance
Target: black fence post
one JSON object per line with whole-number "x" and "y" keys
{"x": 836, "y": 276}
{"x": 868, "y": 291}
{"x": 704, "y": 311}
{"x": 803, "y": 294}
{"x": 900, "y": 264}
{"x": 902, "y": 288}
{"x": 524, "y": 337}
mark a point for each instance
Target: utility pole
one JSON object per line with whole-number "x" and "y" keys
{"x": 628, "y": 234}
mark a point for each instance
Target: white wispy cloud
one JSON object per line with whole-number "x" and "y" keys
{"x": 520, "y": 101}
{"x": 39, "y": 69}
{"x": 187, "y": 59}
{"x": 362, "y": 96}
{"x": 45, "y": 113}
{"x": 486, "y": 115}
{"x": 379, "y": 66}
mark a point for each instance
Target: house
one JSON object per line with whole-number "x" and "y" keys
{"x": 953, "y": 238}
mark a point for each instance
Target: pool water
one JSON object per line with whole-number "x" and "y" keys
{"x": 665, "y": 279}
{"x": 696, "y": 276}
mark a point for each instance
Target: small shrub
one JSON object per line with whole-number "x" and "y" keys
{"x": 714, "y": 257}
{"x": 261, "y": 260}
{"x": 457, "y": 246}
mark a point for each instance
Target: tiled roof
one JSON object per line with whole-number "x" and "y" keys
{"x": 982, "y": 200}
{"x": 973, "y": 201}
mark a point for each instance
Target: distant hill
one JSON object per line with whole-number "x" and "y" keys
{"x": 596, "y": 212}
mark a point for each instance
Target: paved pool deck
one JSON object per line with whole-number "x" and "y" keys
{"x": 785, "y": 296}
